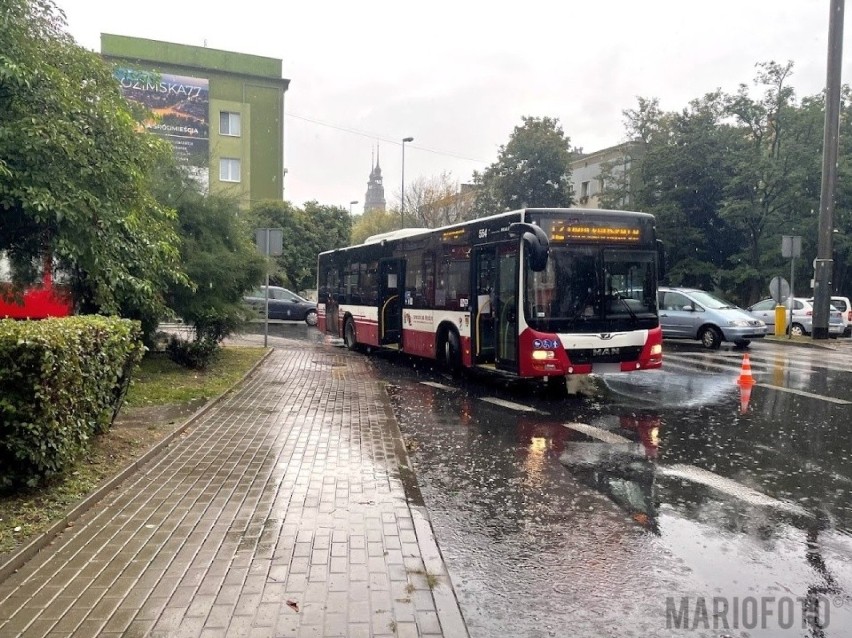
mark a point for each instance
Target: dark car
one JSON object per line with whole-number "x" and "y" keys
{"x": 283, "y": 304}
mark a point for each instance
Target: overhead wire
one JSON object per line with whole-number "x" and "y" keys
{"x": 382, "y": 138}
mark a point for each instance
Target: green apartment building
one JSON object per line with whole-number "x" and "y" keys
{"x": 223, "y": 112}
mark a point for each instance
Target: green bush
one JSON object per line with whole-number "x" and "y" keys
{"x": 197, "y": 354}
{"x": 62, "y": 381}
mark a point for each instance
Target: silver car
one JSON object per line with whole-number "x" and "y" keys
{"x": 803, "y": 316}
{"x": 688, "y": 313}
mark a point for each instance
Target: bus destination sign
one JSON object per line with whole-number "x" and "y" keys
{"x": 566, "y": 231}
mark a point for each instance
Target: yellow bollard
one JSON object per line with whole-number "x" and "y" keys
{"x": 780, "y": 321}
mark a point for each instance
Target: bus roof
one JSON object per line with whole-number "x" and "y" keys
{"x": 402, "y": 233}
{"x": 396, "y": 234}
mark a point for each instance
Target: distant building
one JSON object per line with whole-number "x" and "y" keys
{"x": 375, "y": 196}
{"x": 223, "y": 112}
{"x": 587, "y": 174}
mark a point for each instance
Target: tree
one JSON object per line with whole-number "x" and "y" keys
{"x": 772, "y": 165}
{"x": 307, "y": 232}
{"x": 532, "y": 169}
{"x": 75, "y": 174}
{"x": 218, "y": 254}
{"x": 373, "y": 222}
{"x": 437, "y": 201}
{"x": 680, "y": 176}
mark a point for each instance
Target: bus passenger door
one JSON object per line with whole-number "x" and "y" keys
{"x": 485, "y": 286}
{"x": 506, "y": 307}
{"x": 391, "y": 283}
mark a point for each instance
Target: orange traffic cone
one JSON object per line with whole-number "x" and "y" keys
{"x": 745, "y": 396}
{"x": 745, "y": 373}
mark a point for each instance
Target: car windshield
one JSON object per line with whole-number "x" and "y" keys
{"x": 709, "y": 301}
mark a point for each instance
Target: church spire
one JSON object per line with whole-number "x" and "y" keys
{"x": 375, "y": 197}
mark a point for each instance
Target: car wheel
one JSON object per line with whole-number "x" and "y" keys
{"x": 311, "y": 318}
{"x": 797, "y": 330}
{"x": 711, "y": 337}
{"x": 349, "y": 334}
{"x": 742, "y": 343}
{"x": 452, "y": 352}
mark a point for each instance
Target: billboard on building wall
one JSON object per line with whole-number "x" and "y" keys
{"x": 180, "y": 108}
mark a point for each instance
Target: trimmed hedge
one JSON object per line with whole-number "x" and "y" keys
{"x": 62, "y": 381}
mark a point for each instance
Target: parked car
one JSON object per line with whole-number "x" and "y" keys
{"x": 689, "y": 313}
{"x": 845, "y": 308}
{"x": 283, "y": 304}
{"x": 803, "y": 316}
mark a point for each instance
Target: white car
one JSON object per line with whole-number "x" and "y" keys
{"x": 803, "y": 316}
{"x": 845, "y": 308}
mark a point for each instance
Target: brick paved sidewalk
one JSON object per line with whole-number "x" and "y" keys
{"x": 279, "y": 512}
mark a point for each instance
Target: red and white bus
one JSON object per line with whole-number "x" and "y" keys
{"x": 529, "y": 293}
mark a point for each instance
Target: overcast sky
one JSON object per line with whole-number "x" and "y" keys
{"x": 459, "y": 75}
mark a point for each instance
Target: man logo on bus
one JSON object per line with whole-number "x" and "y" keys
{"x": 606, "y": 335}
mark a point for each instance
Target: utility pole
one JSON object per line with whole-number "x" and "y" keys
{"x": 402, "y": 188}
{"x": 823, "y": 264}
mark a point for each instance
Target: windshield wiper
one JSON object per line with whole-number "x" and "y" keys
{"x": 627, "y": 305}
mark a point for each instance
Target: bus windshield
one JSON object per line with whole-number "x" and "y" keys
{"x": 589, "y": 289}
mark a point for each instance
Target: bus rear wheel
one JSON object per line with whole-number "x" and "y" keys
{"x": 451, "y": 352}
{"x": 349, "y": 334}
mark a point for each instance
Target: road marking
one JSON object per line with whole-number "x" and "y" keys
{"x": 780, "y": 388}
{"x": 511, "y": 405}
{"x": 810, "y": 395}
{"x": 728, "y": 486}
{"x": 598, "y": 433}
{"x": 440, "y": 386}
{"x": 799, "y": 366}
{"x": 691, "y": 364}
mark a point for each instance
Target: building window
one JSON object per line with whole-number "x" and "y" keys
{"x": 229, "y": 170}
{"x": 229, "y": 123}
{"x": 584, "y": 190}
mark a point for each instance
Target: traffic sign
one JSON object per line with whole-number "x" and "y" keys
{"x": 779, "y": 289}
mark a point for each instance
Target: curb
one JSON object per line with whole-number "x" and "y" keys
{"x": 21, "y": 556}
{"x": 799, "y": 344}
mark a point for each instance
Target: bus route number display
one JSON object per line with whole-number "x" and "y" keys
{"x": 585, "y": 231}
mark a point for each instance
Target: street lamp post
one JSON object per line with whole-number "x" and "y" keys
{"x": 351, "y": 204}
{"x": 402, "y": 189}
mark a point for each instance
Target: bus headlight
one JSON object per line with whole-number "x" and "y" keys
{"x": 541, "y": 355}
{"x": 656, "y": 349}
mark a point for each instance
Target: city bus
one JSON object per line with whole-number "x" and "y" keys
{"x": 532, "y": 293}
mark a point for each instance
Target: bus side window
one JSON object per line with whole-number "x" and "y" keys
{"x": 370, "y": 284}
{"x": 429, "y": 279}
{"x": 458, "y": 285}
{"x": 441, "y": 285}
{"x": 413, "y": 277}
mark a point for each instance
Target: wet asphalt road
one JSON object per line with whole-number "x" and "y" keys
{"x": 665, "y": 496}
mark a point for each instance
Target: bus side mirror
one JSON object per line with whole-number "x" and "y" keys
{"x": 661, "y": 260}
{"x": 536, "y": 242}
